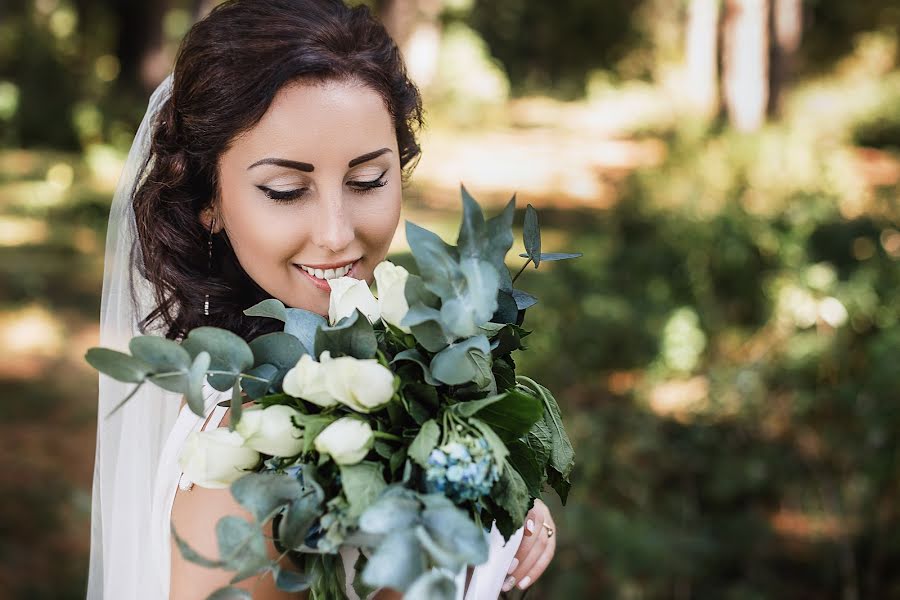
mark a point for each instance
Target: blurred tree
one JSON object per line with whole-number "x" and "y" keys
{"x": 553, "y": 46}
{"x": 701, "y": 55}
{"x": 745, "y": 62}
{"x": 787, "y": 31}
{"x": 140, "y": 43}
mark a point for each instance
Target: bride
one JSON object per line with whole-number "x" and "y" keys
{"x": 270, "y": 161}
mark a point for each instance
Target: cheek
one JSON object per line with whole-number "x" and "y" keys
{"x": 376, "y": 225}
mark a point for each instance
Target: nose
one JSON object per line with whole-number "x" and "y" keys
{"x": 334, "y": 229}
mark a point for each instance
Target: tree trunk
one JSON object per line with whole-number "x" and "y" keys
{"x": 787, "y": 29}
{"x": 415, "y": 27}
{"x": 701, "y": 56}
{"x": 745, "y": 62}
{"x": 140, "y": 43}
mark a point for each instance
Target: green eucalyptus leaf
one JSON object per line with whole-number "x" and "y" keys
{"x": 523, "y": 300}
{"x": 554, "y": 256}
{"x": 507, "y": 308}
{"x": 433, "y": 585}
{"x": 425, "y": 324}
{"x": 257, "y": 389}
{"x": 300, "y": 515}
{"x": 229, "y": 352}
{"x": 425, "y": 441}
{"x": 416, "y": 293}
{"x": 390, "y": 513}
{"x": 169, "y": 360}
{"x": 454, "y": 531}
{"x": 290, "y": 581}
{"x": 416, "y": 357}
{"x": 196, "y": 377}
{"x": 237, "y": 405}
{"x": 280, "y": 349}
{"x": 362, "y": 484}
{"x": 437, "y": 260}
{"x": 471, "y": 230}
{"x": 474, "y": 301}
{"x": 242, "y": 546}
{"x": 500, "y": 239}
{"x": 230, "y": 593}
{"x": 118, "y": 365}
{"x": 396, "y": 562}
{"x": 351, "y": 336}
{"x": 531, "y": 234}
{"x": 271, "y": 308}
{"x": 464, "y": 362}
{"x": 303, "y": 325}
{"x": 189, "y": 554}
{"x": 262, "y": 493}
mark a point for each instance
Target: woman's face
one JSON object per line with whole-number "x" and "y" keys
{"x": 312, "y": 191}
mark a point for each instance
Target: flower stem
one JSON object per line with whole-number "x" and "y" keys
{"x": 527, "y": 262}
{"x": 387, "y": 436}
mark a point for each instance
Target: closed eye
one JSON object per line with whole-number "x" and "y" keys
{"x": 283, "y": 195}
{"x": 366, "y": 186}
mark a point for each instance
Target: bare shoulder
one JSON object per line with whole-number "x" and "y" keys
{"x": 194, "y": 516}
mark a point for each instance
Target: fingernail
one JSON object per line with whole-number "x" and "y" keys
{"x": 524, "y": 583}
{"x": 509, "y": 583}
{"x": 512, "y": 566}
{"x": 529, "y": 525}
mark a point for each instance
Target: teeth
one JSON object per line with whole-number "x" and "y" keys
{"x": 328, "y": 273}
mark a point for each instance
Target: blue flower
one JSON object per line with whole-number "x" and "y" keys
{"x": 462, "y": 470}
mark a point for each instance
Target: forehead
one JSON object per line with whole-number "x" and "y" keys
{"x": 316, "y": 121}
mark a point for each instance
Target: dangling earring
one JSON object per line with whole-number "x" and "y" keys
{"x": 212, "y": 226}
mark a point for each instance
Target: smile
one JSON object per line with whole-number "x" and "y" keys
{"x": 320, "y": 276}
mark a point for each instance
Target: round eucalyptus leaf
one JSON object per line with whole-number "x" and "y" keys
{"x": 118, "y": 365}
{"x": 228, "y": 351}
{"x": 164, "y": 355}
{"x": 196, "y": 377}
{"x": 280, "y": 349}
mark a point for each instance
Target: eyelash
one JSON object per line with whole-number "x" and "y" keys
{"x": 360, "y": 187}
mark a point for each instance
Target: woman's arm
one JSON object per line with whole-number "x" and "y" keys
{"x": 194, "y": 516}
{"x": 536, "y": 550}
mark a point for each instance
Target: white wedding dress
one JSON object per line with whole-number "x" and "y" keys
{"x": 487, "y": 579}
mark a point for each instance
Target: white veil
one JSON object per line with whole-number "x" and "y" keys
{"x": 130, "y": 441}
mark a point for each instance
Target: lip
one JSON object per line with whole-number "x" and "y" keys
{"x": 321, "y": 283}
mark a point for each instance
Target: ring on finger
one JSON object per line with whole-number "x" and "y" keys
{"x": 549, "y": 529}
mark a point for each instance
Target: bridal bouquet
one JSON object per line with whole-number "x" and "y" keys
{"x": 398, "y": 425}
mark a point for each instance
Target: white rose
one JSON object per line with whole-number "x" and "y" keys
{"x": 346, "y": 441}
{"x": 213, "y": 459}
{"x": 349, "y": 294}
{"x": 270, "y": 430}
{"x": 391, "y": 282}
{"x": 361, "y": 384}
{"x": 307, "y": 380}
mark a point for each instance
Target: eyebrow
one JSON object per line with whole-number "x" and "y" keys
{"x": 309, "y": 168}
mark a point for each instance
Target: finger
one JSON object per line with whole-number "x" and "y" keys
{"x": 539, "y": 566}
{"x": 527, "y": 563}
{"x": 528, "y": 537}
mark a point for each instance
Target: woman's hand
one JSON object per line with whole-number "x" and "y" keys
{"x": 536, "y": 550}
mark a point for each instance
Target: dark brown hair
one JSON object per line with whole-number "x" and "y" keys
{"x": 229, "y": 68}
